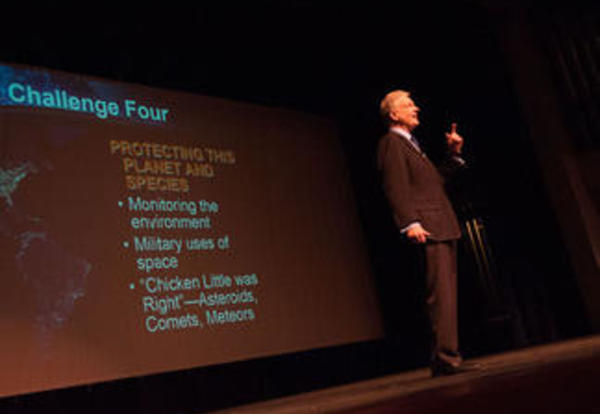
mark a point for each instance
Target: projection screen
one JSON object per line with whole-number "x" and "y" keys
{"x": 146, "y": 231}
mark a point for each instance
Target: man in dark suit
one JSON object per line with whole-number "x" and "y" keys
{"x": 414, "y": 187}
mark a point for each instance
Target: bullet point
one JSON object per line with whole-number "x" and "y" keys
{"x": 125, "y": 244}
{"x": 132, "y": 286}
{"x": 120, "y": 203}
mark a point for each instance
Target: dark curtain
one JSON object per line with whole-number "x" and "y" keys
{"x": 570, "y": 35}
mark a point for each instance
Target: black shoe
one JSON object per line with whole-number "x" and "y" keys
{"x": 439, "y": 368}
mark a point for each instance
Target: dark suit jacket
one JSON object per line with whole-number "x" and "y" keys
{"x": 415, "y": 188}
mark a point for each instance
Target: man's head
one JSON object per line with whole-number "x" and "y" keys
{"x": 398, "y": 109}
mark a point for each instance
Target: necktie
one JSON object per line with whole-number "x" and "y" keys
{"x": 414, "y": 141}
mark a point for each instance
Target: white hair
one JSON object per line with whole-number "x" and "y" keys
{"x": 388, "y": 102}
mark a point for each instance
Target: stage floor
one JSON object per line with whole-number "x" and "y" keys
{"x": 557, "y": 378}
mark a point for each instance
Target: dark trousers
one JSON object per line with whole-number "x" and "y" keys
{"x": 440, "y": 271}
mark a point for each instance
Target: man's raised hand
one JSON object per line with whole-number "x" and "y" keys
{"x": 454, "y": 140}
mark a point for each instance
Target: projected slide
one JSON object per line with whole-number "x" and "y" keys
{"x": 145, "y": 231}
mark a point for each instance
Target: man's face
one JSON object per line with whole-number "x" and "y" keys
{"x": 404, "y": 112}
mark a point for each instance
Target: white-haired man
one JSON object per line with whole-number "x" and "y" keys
{"x": 414, "y": 187}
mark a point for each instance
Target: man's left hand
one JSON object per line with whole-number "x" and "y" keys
{"x": 454, "y": 140}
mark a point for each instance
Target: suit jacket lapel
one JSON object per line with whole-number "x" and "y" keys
{"x": 412, "y": 148}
